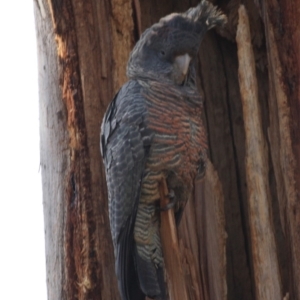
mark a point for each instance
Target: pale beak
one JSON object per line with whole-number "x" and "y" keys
{"x": 182, "y": 63}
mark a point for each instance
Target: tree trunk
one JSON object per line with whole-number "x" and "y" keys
{"x": 239, "y": 237}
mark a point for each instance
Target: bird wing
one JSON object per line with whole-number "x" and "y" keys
{"x": 125, "y": 144}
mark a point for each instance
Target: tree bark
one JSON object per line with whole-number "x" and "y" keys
{"x": 81, "y": 66}
{"x": 265, "y": 265}
{"x": 83, "y": 48}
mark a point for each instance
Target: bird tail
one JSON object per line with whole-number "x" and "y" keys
{"x": 207, "y": 15}
{"x": 151, "y": 278}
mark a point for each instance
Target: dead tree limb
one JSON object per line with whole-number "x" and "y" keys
{"x": 265, "y": 263}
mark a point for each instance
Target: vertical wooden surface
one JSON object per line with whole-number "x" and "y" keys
{"x": 53, "y": 151}
{"x": 265, "y": 262}
{"x": 210, "y": 220}
{"x": 219, "y": 82}
{"x": 83, "y": 49}
{"x": 284, "y": 74}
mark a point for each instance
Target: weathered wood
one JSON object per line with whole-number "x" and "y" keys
{"x": 284, "y": 77}
{"x": 203, "y": 240}
{"x": 264, "y": 256}
{"x": 190, "y": 250}
{"x": 54, "y": 152}
{"x": 219, "y": 81}
{"x": 80, "y": 264}
{"x": 102, "y": 62}
{"x": 175, "y": 277}
{"x": 211, "y": 232}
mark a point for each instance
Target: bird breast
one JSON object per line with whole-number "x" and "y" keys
{"x": 174, "y": 116}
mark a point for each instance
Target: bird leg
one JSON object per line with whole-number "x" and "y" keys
{"x": 172, "y": 201}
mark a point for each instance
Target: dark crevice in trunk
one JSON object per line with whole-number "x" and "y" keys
{"x": 242, "y": 202}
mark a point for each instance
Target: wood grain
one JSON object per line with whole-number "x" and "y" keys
{"x": 81, "y": 66}
{"x": 284, "y": 76}
{"x": 212, "y": 207}
{"x": 54, "y": 152}
{"x": 265, "y": 263}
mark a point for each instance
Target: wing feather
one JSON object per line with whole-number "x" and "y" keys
{"x": 125, "y": 143}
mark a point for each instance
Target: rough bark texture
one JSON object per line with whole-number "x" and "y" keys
{"x": 78, "y": 78}
{"x": 265, "y": 263}
{"x": 281, "y": 28}
{"x": 54, "y": 144}
{"x": 83, "y": 49}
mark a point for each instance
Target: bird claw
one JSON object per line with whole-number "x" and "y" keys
{"x": 171, "y": 204}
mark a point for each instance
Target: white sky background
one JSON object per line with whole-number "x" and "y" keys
{"x": 22, "y": 258}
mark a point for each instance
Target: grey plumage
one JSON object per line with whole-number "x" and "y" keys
{"x": 152, "y": 130}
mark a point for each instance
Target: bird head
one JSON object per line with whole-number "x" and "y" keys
{"x": 167, "y": 50}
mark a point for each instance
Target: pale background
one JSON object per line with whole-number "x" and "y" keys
{"x": 22, "y": 258}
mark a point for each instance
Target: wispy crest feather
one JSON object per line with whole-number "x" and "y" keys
{"x": 207, "y": 13}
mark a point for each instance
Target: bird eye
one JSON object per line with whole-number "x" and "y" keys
{"x": 162, "y": 52}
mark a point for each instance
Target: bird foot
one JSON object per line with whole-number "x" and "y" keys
{"x": 171, "y": 204}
